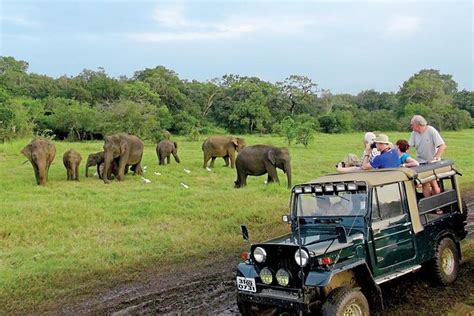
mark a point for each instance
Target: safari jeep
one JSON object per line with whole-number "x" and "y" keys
{"x": 350, "y": 233}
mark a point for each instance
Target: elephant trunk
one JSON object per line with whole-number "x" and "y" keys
{"x": 288, "y": 173}
{"x": 87, "y": 169}
{"x": 42, "y": 172}
{"x": 108, "y": 160}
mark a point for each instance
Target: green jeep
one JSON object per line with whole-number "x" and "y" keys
{"x": 350, "y": 233}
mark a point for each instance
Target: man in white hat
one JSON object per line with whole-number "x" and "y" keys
{"x": 388, "y": 157}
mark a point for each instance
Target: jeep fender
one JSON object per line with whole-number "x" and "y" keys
{"x": 350, "y": 274}
{"x": 246, "y": 270}
{"x": 448, "y": 234}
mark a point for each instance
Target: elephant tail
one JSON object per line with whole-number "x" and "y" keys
{"x": 175, "y": 145}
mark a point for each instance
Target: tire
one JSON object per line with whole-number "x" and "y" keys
{"x": 346, "y": 301}
{"x": 445, "y": 264}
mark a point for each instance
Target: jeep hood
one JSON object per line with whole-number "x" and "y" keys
{"x": 316, "y": 241}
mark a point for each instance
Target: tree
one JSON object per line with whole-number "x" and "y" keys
{"x": 301, "y": 93}
{"x": 287, "y": 129}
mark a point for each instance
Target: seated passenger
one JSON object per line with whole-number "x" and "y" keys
{"x": 388, "y": 157}
{"x": 351, "y": 163}
{"x": 405, "y": 159}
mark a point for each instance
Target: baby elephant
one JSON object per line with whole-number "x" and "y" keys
{"x": 72, "y": 160}
{"x": 97, "y": 159}
{"x": 165, "y": 149}
{"x": 260, "y": 159}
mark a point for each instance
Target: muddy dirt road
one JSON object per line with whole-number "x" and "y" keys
{"x": 210, "y": 289}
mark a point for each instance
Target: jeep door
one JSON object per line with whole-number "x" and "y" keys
{"x": 391, "y": 242}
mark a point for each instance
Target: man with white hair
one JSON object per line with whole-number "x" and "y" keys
{"x": 429, "y": 148}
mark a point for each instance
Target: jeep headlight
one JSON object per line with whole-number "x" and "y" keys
{"x": 260, "y": 254}
{"x": 301, "y": 257}
{"x": 266, "y": 276}
{"x": 283, "y": 277}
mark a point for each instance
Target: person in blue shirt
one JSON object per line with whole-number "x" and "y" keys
{"x": 405, "y": 159}
{"x": 388, "y": 157}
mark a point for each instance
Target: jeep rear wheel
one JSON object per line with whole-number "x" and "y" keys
{"x": 345, "y": 301}
{"x": 445, "y": 264}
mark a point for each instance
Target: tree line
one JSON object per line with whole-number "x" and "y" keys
{"x": 155, "y": 102}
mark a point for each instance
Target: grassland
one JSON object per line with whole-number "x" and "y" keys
{"x": 69, "y": 238}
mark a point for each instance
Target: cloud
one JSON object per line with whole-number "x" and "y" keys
{"x": 175, "y": 26}
{"x": 404, "y": 25}
{"x": 18, "y": 20}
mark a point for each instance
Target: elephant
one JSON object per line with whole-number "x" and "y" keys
{"x": 97, "y": 159}
{"x": 72, "y": 160}
{"x": 40, "y": 152}
{"x": 165, "y": 149}
{"x": 260, "y": 159}
{"x": 222, "y": 146}
{"x": 127, "y": 150}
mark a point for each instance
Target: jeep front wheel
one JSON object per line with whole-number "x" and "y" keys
{"x": 345, "y": 301}
{"x": 445, "y": 264}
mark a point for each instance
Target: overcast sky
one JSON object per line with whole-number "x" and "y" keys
{"x": 344, "y": 46}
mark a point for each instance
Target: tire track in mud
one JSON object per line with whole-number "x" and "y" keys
{"x": 214, "y": 294}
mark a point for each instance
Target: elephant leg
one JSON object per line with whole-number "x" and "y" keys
{"x": 272, "y": 173}
{"x": 137, "y": 169}
{"x": 213, "y": 159}
{"x": 269, "y": 179}
{"x": 162, "y": 159}
{"x": 232, "y": 160}
{"x": 121, "y": 168}
{"x": 99, "y": 173}
{"x": 35, "y": 168}
{"x": 241, "y": 179}
{"x": 76, "y": 176}
{"x": 226, "y": 159}
{"x": 168, "y": 158}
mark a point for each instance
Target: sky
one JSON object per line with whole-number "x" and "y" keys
{"x": 343, "y": 46}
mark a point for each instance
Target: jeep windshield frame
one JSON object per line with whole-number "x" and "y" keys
{"x": 330, "y": 200}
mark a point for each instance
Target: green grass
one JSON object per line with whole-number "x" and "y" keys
{"x": 69, "y": 238}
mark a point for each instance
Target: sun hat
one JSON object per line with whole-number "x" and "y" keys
{"x": 382, "y": 138}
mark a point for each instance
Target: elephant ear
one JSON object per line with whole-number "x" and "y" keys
{"x": 235, "y": 141}
{"x": 123, "y": 146}
{"x": 27, "y": 151}
{"x": 271, "y": 155}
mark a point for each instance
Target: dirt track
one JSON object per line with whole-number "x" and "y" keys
{"x": 206, "y": 290}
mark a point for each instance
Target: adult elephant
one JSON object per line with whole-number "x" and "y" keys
{"x": 41, "y": 153}
{"x": 260, "y": 159}
{"x": 165, "y": 149}
{"x": 72, "y": 160}
{"x": 221, "y": 146}
{"x": 127, "y": 149}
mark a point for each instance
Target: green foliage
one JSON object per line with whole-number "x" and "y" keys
{"x": 287, "y": 129}
{"x": 159, "y": 100}
{"x": 129, "y": 117}
{"x": 336, "y": 122}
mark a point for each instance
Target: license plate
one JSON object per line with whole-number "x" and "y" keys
{"x": 246, "y": 284}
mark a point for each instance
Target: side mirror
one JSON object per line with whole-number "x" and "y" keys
{"x": 245, "y": 232}
{"x": 286, "y": 219}
{"x": 341, "y": 234}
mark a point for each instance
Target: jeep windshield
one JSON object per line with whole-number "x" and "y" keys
{"x": 330, "y": 200}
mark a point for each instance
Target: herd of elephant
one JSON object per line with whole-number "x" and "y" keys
{"x": 123, "y": 151}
